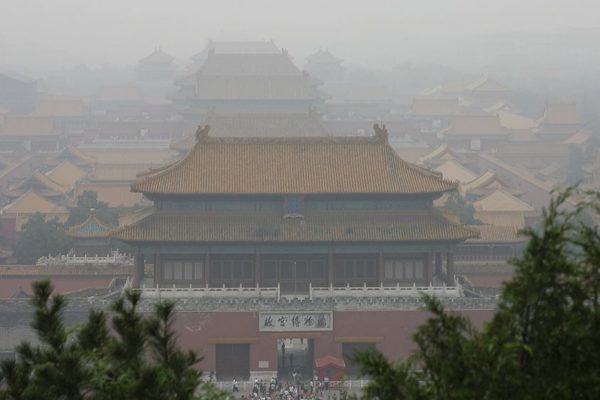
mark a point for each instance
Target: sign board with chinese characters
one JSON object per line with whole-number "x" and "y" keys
{"x": 298, "y": 321}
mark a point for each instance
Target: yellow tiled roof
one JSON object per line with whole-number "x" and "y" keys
{"x": 148, "y": 157}
{"x": 115, "y": 194}
{"x": 436, "y": 107}
{"x": 30, "y": 203}
{"x": 27, "y": 126}
{"x": 131, "y": 217}
{"x": 501, "y": 201}
{"x": 49, "y": 182}
{"x": 59, "y": 108}
{"x": 454, "y": 171}
{"x": 41, "y": 182}
{"x": 496, "y": 234}
{"x": 453, "y": 87}
{"x": 475, "y": 125}
{"x": 487, "y": 183}
{"x": 512, "y": 219}
{"x": 292, "y": 166}
{"x": 561, "y": 114}
{"x": 255, "y": 88}
{"x": 117, "y": 172}
{"x": 485, "y": 84}
{"x": 73, "y": 153}
{"x": 580, "y": 137}
{"x": 66, "y": 174}
{"x": 325, "y": 227}
{"x": 511, "y": 120}
{"x": 252, "y": 65}
{"x": 118, "y": 94}
{"x": 436, "y": 153}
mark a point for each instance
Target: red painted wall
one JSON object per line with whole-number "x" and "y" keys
{"x": 8, "y": 230}
{"x": 396, "y": 327}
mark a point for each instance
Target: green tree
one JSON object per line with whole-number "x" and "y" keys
{"x": 575, "y": 166}
{"x": 40, "y": 238}
{"x": 109, "y": 215}
{"x": 543, "y": 341}
{"x": 457, "y": 205}
{"x": 140, "y": 360}
{"x": 87, "y": 201}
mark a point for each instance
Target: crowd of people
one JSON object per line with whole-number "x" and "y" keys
{"x": 296, "y": 390}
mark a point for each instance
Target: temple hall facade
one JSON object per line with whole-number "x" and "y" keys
{"x": 290, "y": 219}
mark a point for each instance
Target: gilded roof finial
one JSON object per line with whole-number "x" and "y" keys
{"x": 202, "y": 133}
{"x": 381, "y": 132}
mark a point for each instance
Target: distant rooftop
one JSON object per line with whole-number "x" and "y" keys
{"x": 560, "y": 114}
{"x": 237, "y": 47}
{"x": 157, "y": 57}
{"x": 278, "y": 64}
{"x": 257, "y": 125}
{"x": 485, "y": 84}
{"x": 436, "y": 107}
{"x": 454, "y": 171}
{"x": 323, "y": 57}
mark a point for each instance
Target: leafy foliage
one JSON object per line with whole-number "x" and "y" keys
{"x": 543, "y": 341}
{"x": 109, "y": 215}
{"x": 139, "y": 360}
{"x": 575, "y": 166}
{"x": 39, "y": 238}
{"x": 457, "y": 205}
{"x": 89, "y": 200}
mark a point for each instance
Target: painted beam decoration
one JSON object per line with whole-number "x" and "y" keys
{"x": 299, "y": 321}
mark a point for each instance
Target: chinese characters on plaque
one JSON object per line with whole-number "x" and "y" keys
{"x": 295, "y": 321}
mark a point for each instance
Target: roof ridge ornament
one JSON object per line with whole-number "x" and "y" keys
{"x": 381, "y": 132}
{"x": 202, "y": 133}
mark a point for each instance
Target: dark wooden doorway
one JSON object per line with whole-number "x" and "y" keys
{"x": 295, "y": 354}
{"x": 233, "y": 361}
{"x": 294, "y": 273}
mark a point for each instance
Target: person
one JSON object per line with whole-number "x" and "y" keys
{"x": 283, "y": 354}
{"x": 234, "y": 386}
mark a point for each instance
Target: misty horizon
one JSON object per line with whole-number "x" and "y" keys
{"x": 37, "y": 36}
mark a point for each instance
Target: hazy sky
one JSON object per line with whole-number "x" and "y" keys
{"x": 376, "y": 32}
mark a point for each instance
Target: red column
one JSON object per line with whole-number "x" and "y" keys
{"x": 138, "y": 273}
{"x": 257, "y": 269}
{"x": 380, "y": 267}
{"x": 438, "y": 265}
{"x": 330, "y": 267}
{"x": 450, "y": 269}
{"x": 158, "y": 268}
{"x": 428, "y": 267}
{"x": 207, "y": 268}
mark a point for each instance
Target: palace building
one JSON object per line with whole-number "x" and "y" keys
{"x": 246, "y": 82}
{"x": 279, "y": 220}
